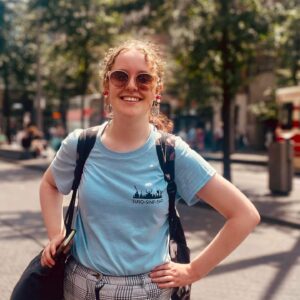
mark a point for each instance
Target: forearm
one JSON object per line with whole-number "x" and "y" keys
{"x": 234, "y": 231}
{"x": 241, "y": 218}
{"x": 52, "y": 210}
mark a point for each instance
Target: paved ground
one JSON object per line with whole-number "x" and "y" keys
{"x": 265, "y": 267}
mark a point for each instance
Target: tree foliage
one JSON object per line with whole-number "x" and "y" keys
{"x": 17, "y": 47}
{"x": 214, "y": 45}
{"x": 286, "y": 41}
{"x": 74, "y": 36}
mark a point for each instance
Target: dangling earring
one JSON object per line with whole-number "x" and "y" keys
{"x": 155, "y": 106}
{"x": 108, "y": 107}
{"x": 109, "y": 111}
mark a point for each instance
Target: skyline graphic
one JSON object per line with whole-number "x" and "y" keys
{"x": 148, "y": 194}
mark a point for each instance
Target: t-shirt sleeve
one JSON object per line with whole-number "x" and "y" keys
{"x": 63, "y": 165}
{"x": 192, "y": 172}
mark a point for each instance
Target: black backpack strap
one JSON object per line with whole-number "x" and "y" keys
{"x": 179, "y": 252}
{"x": 85, "y": 144}
{"x": 165, "y": 149}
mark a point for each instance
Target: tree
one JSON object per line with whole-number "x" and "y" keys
{"x": 286, "y": 39}
{"x": 243, "y": 26}
{"x": 18, "y": 59}
{"x": 81, "y": 30}
{"x": 213, "y": 43}
{"x": 15, "y": 58}
{"x": 6, "y": 15}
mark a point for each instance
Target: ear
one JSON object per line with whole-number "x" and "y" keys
{"x": 105, "y": 86}
{"x": 105, "y": 93}
{"x": 105, "y": 83}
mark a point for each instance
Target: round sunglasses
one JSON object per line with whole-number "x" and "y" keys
{"x": 120, "y": 79}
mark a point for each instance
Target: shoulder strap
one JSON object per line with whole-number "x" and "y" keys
{"x": 165, "y": 149}
{"x": 85, "y": 144}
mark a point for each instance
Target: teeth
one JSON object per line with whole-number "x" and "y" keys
{"x": 131, "y": 99}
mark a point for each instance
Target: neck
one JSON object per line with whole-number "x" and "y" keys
{"x": 123, "y": 136}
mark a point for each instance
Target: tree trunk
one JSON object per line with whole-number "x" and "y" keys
{"x": 38, "y": 98}
{"x": 227, "y": 133}
{"x": 82, "y": 100}
{"x": 63, "y": 106}
{"x": 295, "y": 70}
{"x": 295, "y": 64}
{"x": 86, "y": 64}
{"x": 226, "y": 93}
{"x": 6, "y": 103}
{"x": 84, "y": 84}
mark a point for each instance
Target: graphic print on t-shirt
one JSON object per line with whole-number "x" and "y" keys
{"x": 147, "y": 196}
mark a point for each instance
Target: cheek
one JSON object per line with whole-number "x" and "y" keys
{"x": 151, "y": 99}
{"x": 152, "y": 93}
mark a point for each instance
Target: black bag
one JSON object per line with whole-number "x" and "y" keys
{"x": 43, "y": 283}
{"x": 179, "y": 251}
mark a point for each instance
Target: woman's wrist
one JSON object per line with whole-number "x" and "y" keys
{"x": 195, "y": 271}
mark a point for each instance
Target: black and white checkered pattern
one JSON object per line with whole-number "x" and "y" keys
{"x": 82, "y": 283}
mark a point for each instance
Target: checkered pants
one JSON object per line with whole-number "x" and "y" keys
{"x": 81, "y": 283}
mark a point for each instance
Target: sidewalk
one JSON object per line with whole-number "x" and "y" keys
{"x": 271, "y": 251}
{"x": 260, "y": 159}
{"x": 278, "y": 209}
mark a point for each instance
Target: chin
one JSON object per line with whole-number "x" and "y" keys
{"x": 133, "y": 113}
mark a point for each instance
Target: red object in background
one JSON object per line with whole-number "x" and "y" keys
{"x": 87, "y": 112}
{"x": 56, "y": 115}
{"x": 288, "y": 99}
{"x": 75, "y": 114}
{"x": 295, "y": 138}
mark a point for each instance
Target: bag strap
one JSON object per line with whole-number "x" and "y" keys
{"x": 166, "y": 155}
{"x": 165, "y": 148}
{"x": 85, "y": 144}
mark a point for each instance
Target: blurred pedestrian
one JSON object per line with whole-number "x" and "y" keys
{"x": 121, "y": 246}
{"x": 57, "y": 133}
{"x": 218, "y": 137}
{"x": 32, "y": 139}
{"x": 208, "y": 137}
{"x": 191, "y": 137}
{"x": 3, "y": 139}
{"x": 199, "y": 139}
{"x": 182, "y": 133}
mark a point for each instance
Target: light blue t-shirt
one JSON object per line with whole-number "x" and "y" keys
{"x": 122, "y": 224}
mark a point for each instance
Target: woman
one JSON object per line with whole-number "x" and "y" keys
{"x": 120, "y": 249}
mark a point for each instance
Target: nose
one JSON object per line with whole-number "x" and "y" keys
{"x": 131, "y": 85}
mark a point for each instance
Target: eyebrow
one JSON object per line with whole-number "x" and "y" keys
{"x": 138, "y": 72}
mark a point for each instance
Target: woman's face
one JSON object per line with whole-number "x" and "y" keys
{"x": 132, "y": 99}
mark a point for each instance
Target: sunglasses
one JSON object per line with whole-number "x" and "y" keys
{"x": 120, "y": 79}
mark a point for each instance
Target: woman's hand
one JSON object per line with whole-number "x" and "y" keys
{"x": 173, "y": 274}
{"x": 50, "y": 250}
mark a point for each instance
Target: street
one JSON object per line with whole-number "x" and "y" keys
{"x": 265, "y": 267}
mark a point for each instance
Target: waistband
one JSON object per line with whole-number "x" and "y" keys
{"x": 81, "y": 270}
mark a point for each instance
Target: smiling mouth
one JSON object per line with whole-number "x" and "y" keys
{"x": 131, "y": 99}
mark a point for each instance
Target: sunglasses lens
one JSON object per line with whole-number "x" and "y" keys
{"x": 119, "y": 78}
{"x": 144, "y": 80}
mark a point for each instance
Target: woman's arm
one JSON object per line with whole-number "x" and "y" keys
{"x": 51, "y": 204}
{"x": 241, "y": 218}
